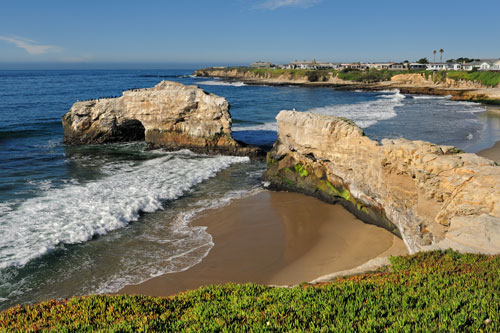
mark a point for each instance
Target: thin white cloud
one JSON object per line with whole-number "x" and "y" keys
{"x": 30, "y": 46}
{"x": 275, "y": 4}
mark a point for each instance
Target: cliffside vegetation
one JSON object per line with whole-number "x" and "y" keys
{"x": 491, "y": 79}
{"x": 433, "y": 291}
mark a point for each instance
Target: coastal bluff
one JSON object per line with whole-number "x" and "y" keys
{"x": 433, "y": 197}
{"x": 170, "y": 115}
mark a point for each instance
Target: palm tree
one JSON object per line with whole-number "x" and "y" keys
{"x": 434, "y": 55}
{"x": 441, "y": 55}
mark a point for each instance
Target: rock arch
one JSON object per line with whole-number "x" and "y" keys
{"x": 170, "y": 115}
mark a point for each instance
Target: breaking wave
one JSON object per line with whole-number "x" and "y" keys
{"x": 75, "y": 213}
{"x": 221, "y": 83}
{"x": 365, "y": 114}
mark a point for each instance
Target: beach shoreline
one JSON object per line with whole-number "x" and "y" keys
{"x": 492, "y": 153}
{"x": 280, "y": 238}
{"x": 277, "y": 238}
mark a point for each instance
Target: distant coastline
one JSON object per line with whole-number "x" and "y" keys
{"x": 424, "y": 82}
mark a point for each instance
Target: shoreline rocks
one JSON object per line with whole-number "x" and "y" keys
{"x": 170, "y": 115}
{"x": 431, "y": 196}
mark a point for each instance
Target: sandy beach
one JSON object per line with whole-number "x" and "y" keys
{"x": 492, "y": 153}
{"x": 277, "y": 238}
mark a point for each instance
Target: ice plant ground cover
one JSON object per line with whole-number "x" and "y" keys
{"x": 433, "y": 291}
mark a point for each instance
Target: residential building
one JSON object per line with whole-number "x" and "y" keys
{"x": 355, "y": 65}
{"x": 417, "y": 66}
{"x": 379, "y": 65}
{"x": 398, "y": 67}
{"x": 261, "y": 64}
{"x": 483, "y": 65}
{"x": 313, "y": 64}
{"x": 437, "y": 66}
{"x": 453, "y": 66}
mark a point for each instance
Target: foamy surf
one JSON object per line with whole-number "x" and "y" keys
{"x": 431, "y": 97}
{"x": 75, "y": 213}
{"x": 221, "y": 83}
{"x": 261, "y": 127}
{"x": 365, "y": 114}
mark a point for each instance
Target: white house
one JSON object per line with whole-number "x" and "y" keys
{"x": 302, "y": 64}
{"x": 398, "y": 67}
{"x": 483, "y": 65}
{"x": 379, "y": 65}
{"x": 417, "y": 66}
{"x": 437, "y": 66}
{"x": 452, "y": 66}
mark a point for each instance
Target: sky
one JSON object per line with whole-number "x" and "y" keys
{"x": 181, "y": 34}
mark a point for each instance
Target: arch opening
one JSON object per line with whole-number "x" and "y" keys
{"x": 129, "y": 130}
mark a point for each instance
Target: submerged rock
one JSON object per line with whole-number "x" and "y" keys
{"x": 170, "y": 115}
{"x": 432, "y": 196}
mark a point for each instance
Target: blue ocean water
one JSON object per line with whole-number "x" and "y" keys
{"x": 79, "y": 220}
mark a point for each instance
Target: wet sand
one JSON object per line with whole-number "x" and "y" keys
{"x": 277, "y": 238}
{"x": 492, "y": 153}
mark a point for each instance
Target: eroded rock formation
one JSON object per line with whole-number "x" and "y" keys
{"x": 169, "y": 115}
{"x": 432, "y": 196}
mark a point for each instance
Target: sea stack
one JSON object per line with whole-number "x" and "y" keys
{"x": 170, "y": 115}
{"x": 434, "y": 197}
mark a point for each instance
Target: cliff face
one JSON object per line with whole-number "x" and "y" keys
{"x": 169, "y": 115}
{"x": 432, "y": 196}
{"x": 269, "y": 78}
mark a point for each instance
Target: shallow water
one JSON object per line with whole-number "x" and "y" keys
{"x": 79, "y": 220}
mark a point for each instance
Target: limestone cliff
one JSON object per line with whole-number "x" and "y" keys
{"x": 169, "y": 115}
{"x": 432, "y": 196}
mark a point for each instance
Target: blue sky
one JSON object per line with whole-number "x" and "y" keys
{"x": 147, "y": 33}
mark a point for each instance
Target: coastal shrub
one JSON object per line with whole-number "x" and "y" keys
{"x": 369, "y": 76}
{"x": 430, "y": 291}
{"x": 491, "y": 79}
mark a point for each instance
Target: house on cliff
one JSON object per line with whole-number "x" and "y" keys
{"x": 483, "y": 65}
{"x": 311, "y": 65}
{"x": 261, "y": 64}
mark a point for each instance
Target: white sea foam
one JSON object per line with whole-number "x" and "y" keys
{"x": 261, "y": 127}
{"x": 431, "y": 97}
{"x": 6, "y": 207}
{"x": 367, "y": 113}
{"x": 76, "y": 213}
{"x": 221, "y": 83}
{"x": 41, "y": 185}
{"x": 363, "y": 114}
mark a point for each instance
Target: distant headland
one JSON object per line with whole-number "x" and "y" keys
{"x": 477, "y": 80}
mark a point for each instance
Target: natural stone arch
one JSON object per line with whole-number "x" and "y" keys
{"x": 170, "y": 115}
{"x": 128, "y": 130}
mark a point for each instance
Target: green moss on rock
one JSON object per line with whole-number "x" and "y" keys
{"x": 301, "y": 170}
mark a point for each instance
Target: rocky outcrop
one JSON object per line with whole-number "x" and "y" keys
{"x": 169, "y": 115}
{"x": 432, "y": 196}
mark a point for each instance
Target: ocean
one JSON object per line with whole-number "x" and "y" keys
{"x": 92, "y": 219}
